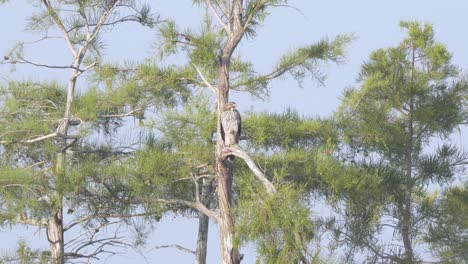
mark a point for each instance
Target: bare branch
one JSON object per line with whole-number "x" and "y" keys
{"x": 197, "y": 188}
{"x": 100, "y": 23}
{"x": 130, "y": 113}
{"x": 237, "y": 151}
{"x": 215, "y": 13}
{"x": 69, "y": 145}
{"x": 129, "y": 18}
{"x": 21, "y": 219}
{"x": 25, "y": 61}
{"x": 21, "y": 43}
{"x": 59, "y": 23}
{"x": 194, "y": 205}
{"x": 91, "y": 217}
{"x": 41, "y": 138}
{"x": 204, "y": 79}
{"x": 181, "y": 248}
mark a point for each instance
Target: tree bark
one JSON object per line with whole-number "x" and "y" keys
{"x": 55, "y": 237}
{"x": 202, "y": 241}
{"x": 229, "y": 254}
{"x": 224, "y": 167}
{"x": 203, "y": 223}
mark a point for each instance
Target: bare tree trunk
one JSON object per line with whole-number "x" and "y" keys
{"x": 224, "y": 167}
{"x": 202, "y": 241}
{"x": 55, "y": 232}
{"x": 203, "y": 223}
{"x": 229, "y": 254}
{"x": 55, "y": 237}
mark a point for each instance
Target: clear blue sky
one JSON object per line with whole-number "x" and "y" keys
{"x": 374, "y": 22}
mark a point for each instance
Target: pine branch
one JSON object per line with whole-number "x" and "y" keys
{"x": 255, "y": 10}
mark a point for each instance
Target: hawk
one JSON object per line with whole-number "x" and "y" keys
{"x": 230, "y": 124}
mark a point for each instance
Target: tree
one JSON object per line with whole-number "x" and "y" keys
{"x": 210, "y": 53}
{"x": 40, "y": 125}
{"x": 410, "y": 95}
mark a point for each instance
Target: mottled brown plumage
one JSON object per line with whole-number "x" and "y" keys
{"x": 231, "y": 124}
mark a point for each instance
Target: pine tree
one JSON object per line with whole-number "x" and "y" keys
{"x": 410, "y": 95}
{"x": 42, "y": 122}
{"x": 211, "y": 52}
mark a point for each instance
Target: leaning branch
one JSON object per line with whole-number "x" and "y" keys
{"x": 238, "y": 152}
{"x": 42, "y": 138}
{"x": 194, "y": 205}
{"x": 181, "y": 248}
{"x": 59, "y": 23}
{"x": 204, "y": 79}
{"x": 28, "y": 221}
{"x": 218, "y": 17}
{"x": 129, "y": 113}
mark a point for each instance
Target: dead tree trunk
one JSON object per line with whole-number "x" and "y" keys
{"x": 229, "y": 254}
{"x": 224, "y": 167}
{"x": 203, "y": 223}
{"x": 55, "y": 237}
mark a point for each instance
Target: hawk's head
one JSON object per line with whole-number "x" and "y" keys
{"x": 230, "y": 106}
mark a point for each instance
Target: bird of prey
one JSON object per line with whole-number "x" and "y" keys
{"x": 230, "y": 124}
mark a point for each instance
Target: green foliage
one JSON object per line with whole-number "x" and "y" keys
{"x": 131, "y": 92}
{"x": 306, "y": 60}
{"x": 30, "y": 109}
{"x": 442, "y": 166}
{"x": 285, "y": 131}
{"x": 447, "y": 234}
{"x": 25, "y": 255}
{"x": 409, "y": 95}
{"x": 28, "y": 184}
{"x": 279, "y": 223}
{"x": 191, "y": 127}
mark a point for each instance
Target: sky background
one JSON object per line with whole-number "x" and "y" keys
{"x": 374, "y": 23}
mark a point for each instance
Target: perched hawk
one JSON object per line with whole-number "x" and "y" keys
{"x": 230, "y": 124}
